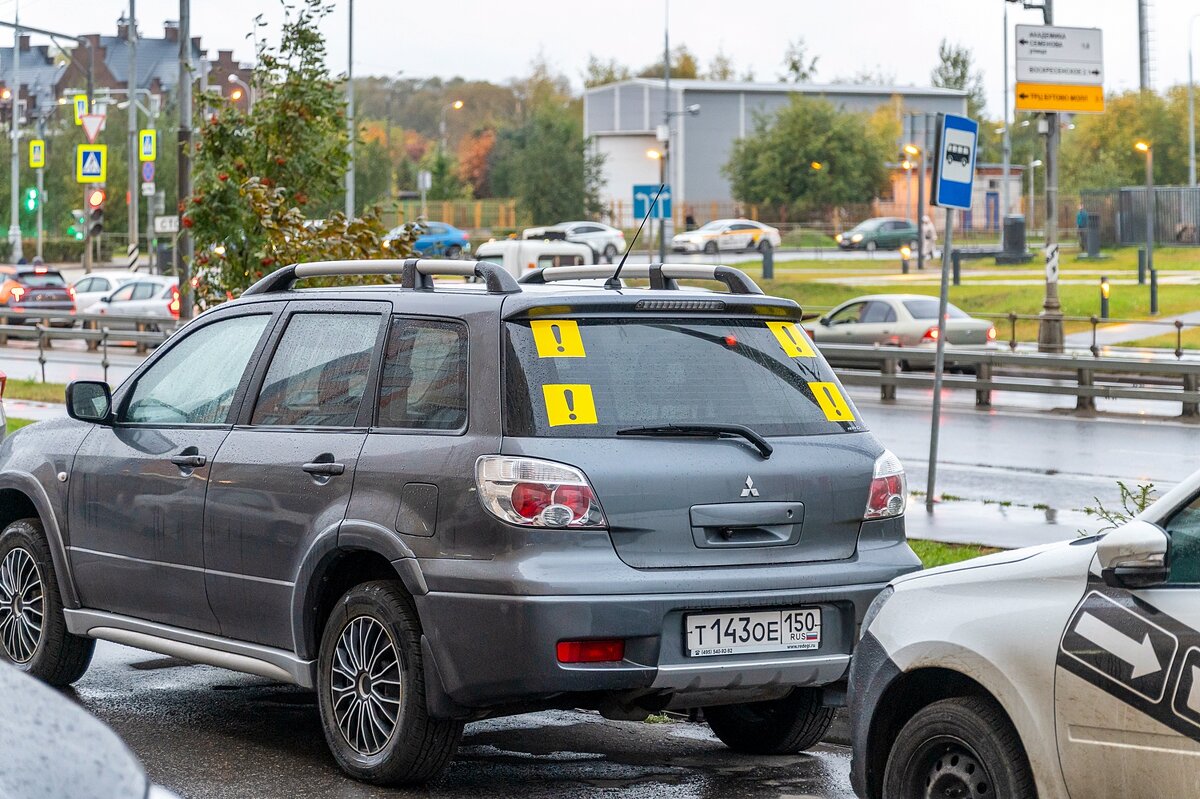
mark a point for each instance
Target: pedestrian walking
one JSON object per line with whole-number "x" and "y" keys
{"x": 1081, "y": 222}
{"x": 928, "y": 237}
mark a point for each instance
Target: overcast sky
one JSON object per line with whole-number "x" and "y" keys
{"x": 485, "y": 39}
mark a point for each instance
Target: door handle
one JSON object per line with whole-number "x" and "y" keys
{"x": 324, "y": 469}
{"x": 189, "y": 461}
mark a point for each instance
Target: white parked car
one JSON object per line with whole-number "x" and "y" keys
{"x": 91, "y": 287}
{"x": 606, "y": 242}
{"x": 149, "y": 296}
{"x": 520, "y": 256}
{"x": 1068, "y": 671}
{"x": 727, "y": 234}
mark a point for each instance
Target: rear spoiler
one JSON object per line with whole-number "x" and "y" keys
{"x": 661, "y": 276}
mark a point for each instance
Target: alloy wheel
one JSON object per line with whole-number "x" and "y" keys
{"x": 366, "y": 685}
{"x": 22, "y": 605}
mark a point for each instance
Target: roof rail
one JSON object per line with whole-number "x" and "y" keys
{"x": 415, "y": 273}
{"x": 661, "y": 276}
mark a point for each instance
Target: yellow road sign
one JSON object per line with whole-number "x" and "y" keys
{"x": 81, "y": 107}
{"x": 147, "y": 145}
{"x": 1060, "y": 97}
{"x": 91, "y": 163}
{"x": 37, "y": 153}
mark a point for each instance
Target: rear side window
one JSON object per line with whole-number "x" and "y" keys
{"x": 319, "y": 371}
{"x": 144, "y": 291}
{"x": 878, "y": 312}
{"x": 41, "y": 280}
{"x": 423, "y": 385}
{"x": 594, "y": 377}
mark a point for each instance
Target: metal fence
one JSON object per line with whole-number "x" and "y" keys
{"x": 1122, "y": 214}
{"x": 45, "y": 328}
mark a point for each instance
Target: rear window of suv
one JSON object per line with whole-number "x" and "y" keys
{"x": 41, "y": 280}
{"x": 593, "y": 377}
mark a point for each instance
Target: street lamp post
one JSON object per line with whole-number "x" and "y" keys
{"x": 1032, "y": 166}
{"x": 656, "y": 155}
{"x": 454, "y": 106}
{"x": 1148, "y": 149}
{"x": 14, "y": 229}
{"x": 242, "y": 86}
{"x": 916, "y": 157}
{"x": 1191, "y": 105}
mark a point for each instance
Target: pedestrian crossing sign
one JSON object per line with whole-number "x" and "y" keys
{"x": 147, "y": 145}
{"x": 91, "y": 163}
{"x": 37, "y": 153}
{"x": 80, "y": 101}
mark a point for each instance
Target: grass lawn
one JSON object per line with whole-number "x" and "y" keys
{"x": 17, "y": 424}
{"x": 1189, "y": 341}
{"x": 933, "y": 553}
{"x": 34, "y": 390}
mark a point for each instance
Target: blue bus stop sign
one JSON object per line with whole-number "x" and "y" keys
{"x": 643, "y": 195}
{"x": 954, "y": 164}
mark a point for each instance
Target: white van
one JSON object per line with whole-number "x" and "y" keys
{"x": 519, "y": 256}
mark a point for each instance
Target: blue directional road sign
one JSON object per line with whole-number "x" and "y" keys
{"x": 954, "y": 167}
{"x": 643, "y": 195}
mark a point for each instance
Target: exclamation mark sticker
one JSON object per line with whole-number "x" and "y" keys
{"x": 557, "y": 338}
{"x": 569, "y": 404}
{"x": 832, "y": 403}
{"x": 792, "y": 339}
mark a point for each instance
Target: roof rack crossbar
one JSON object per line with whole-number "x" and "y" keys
{"x": 415, "y": 273}
{"x": 661, "y": 276}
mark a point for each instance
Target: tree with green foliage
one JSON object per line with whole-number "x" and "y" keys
{"x": 683, "y": 66}
{"x": 798, "y": 66}
{"x": 444, "y": 181}
{"x": 548, "y": 166}
{"x": 807, "y": 156}
{"x": 954, "y": 71}
{"x": 602, "y": 72}
{"x": 261, "y": 178}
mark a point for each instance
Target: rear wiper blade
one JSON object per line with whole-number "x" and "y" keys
{"x": 761, "y": 444}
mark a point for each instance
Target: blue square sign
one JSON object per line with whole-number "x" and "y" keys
{"x": 643, "y": 195}
{"x": 954, "y": 167}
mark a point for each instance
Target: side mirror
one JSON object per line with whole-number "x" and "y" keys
{"x": 89, "y": 401}
{"x": 824, "y": 320}
{"x": 1134, "y": 556}
{"x": 105, "y": 298}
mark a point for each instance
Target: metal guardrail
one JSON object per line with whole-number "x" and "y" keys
{"x": 988, "y": 371}
{"x": 96, "y": 335}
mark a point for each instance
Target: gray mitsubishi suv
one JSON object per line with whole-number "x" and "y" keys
{"x": 438, "y": 503}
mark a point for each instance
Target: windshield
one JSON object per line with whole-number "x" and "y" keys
{"x": 39, "y": 280}
{"x": 711, "y": 226}
{"x": 928, "y": 309}
{"x": 869, "y": 225}
{"x": 592, "y": 377}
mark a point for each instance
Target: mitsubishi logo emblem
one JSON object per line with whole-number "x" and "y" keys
{"x": 749, "y": 490}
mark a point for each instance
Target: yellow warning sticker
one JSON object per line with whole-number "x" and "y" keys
{"x": 557, "y": 338}
{"x": 568, "y": 403}
{"x": 792, "y": 339}
{"x": 832, "y": 402}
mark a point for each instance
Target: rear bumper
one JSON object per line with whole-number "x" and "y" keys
{"x": 492, "y": 651}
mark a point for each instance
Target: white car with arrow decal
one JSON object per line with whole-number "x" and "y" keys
{"x": 1068, "y": 671}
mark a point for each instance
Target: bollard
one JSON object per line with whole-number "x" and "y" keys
{"x": 1104, "y": 291}
{"x": 956, "y": 265}
{"x": 905, "y": 254}
{"x": 1142, "y": 266}
{"x": 1154, "y": 292}
{"x": 887, "y": 390}
{"x": 768, "y": 259}
{"x": 983, "y": 394}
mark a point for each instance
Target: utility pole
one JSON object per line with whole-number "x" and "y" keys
{"x": 132, "y": 250}
{"x": 665, "y": 172}
{"x": 1191, "y": 105}
{"x": 14, "y": 228}
{"x": 41, "y": 233}
{"x": 184, "y": 245}
{"x": 1143, "y": 43}
{"x": 1006, "y": 141}
{"x": 1050, "y": 323}
{"x": 350, "y": 118}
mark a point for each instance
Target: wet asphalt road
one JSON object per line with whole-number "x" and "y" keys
{"x": 205, "y": 732}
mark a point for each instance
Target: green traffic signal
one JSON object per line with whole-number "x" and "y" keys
{"x": 31, "y": 199}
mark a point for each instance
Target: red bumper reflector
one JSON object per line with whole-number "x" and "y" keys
{"x": 591, "y": 651}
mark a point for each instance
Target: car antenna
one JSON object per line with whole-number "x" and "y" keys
{"x": 614, "y": 282}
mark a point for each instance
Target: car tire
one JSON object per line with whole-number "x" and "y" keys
{"x": 784, "y": 726}
{"x": 710, "y": 248}
{"x": 453, "y": 252}
{"x": 49, "y": 652}
{"x": 967, "y": 746}
{"x": 397, "y": 743}
{"x": 870, "y": 246}
{"x": 610, "y": 253}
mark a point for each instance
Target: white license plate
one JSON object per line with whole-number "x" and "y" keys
{"x": 792, "y": 629}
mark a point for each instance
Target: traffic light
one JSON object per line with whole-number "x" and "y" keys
{"x": 79, "y": 220}
{"x": 31, "y": 199}
{"x": 95, "y": 197}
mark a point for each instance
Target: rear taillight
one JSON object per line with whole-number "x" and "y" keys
{"x": 71, "y": 291}
{"x": 173, "y": 305}
{"x": 607, "y": 651}
{"x": 991, "y": 334}
{"x": 889, "y": 488}
{"x": 930, "y": 335}
{"x": 3, "y": 384}
{"x": 537, "y": 493}
{"x": 17, "y": 292}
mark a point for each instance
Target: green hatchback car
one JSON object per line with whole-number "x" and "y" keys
{"x": 884, "y": 232}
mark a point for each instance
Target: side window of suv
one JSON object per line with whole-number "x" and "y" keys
{"x": 195, "y": 381}
{"x": 423, "y": 385}
{"x": 1184, "y": 529}
{"x": 319, "y": 371}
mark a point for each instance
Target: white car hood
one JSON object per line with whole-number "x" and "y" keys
{"x": 1006, "y": 558}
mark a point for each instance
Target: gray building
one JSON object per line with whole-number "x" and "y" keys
{"x": 622, "y": 119}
